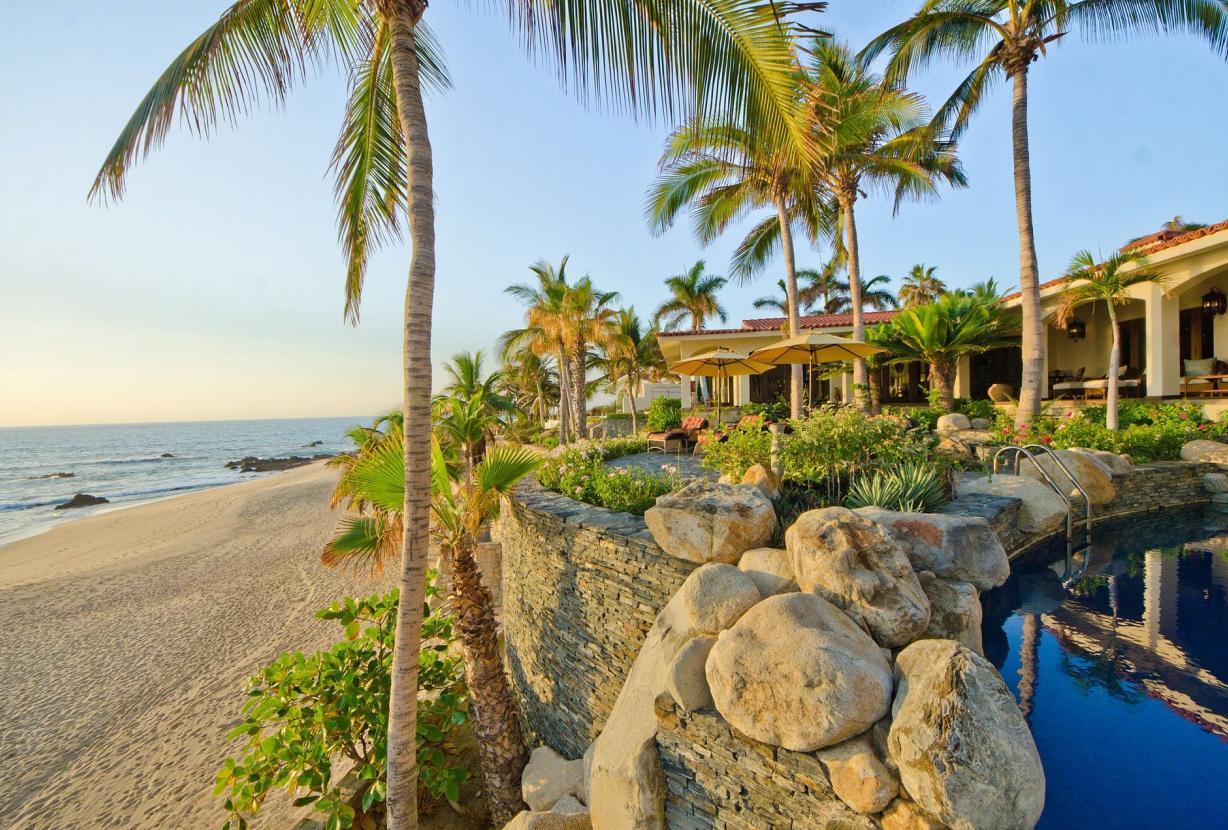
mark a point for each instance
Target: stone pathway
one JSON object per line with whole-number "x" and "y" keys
{"x": 686, "y": 464}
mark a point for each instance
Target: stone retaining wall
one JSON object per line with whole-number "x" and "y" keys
{"x": 581, "y": 587}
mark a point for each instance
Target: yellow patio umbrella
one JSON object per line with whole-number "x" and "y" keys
{"x": 811, "y": 348}
{"x": 719, "y": 363}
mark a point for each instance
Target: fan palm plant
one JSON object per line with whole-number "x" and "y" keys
{"x": 1004, "y": 38}
{"x": 723, "y": 172}
{"x": 1090, "y": 281}
{"x": 693, "y": 297}
{"x": 726, "y": 59}
{"x": 877, "y": 136}
{"x": 942, "y": 332}
{"x": 921, "y": 287}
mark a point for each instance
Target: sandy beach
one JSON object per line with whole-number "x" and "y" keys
{"x": 126, "y": 640}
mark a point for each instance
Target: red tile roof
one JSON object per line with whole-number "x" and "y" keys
{"x": 812, "y": 321}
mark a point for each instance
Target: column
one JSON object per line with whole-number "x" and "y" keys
{"x": 963, "y": 377}
{"x": 685, "y": 383}
{"x": 1163, "y": 359}
{"x": 846, "y": 387}
{"x": 741, "y": 390}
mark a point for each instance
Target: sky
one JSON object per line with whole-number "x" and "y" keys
{"x": 214, "y": 289}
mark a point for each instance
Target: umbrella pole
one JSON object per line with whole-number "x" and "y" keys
{"x": 716, "y": 388}
{"x": 810, "y": 390}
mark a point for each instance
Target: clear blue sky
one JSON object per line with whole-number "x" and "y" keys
{"x": 214, "y": 289}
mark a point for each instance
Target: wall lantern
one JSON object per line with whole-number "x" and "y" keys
{"x": 1214, "y": 302}
{"x": 1076, "y": 330}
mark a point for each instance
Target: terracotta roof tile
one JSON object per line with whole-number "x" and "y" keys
{"x": 811, "y": 321}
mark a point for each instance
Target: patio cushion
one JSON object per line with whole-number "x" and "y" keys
{"x": 1199, "y": 367}
{"x": 694, "y": 422}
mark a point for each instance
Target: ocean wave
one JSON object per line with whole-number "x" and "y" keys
{"x": 112, "y": 496}
{"x": 8, "y": 507}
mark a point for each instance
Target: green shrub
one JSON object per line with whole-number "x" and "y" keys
{"x": 743, "y": 448}
{"x": 630, "y": 490}
{"x": 778, "y": 411}
{"x": 908, "y": 488}
{"x": 977, "y": 409}
{"x": 306, "y": 712}
{"x": 793, "y": 500}
{"x": 664, "y": 413}
{"x": 579, "y": 471}
{"x": 927, "y": 418}
{"x": 835, "y": 443}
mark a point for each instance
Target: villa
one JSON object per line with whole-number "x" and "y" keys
{"x": 1174, "y": 340}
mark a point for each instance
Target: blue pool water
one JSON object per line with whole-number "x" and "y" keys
{"x": 1124, "y": 676}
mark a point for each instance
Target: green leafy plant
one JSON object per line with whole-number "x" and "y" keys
{"x": 777, "y": 412}
{"x": 664, "y": 413}
{"x": 307, "y": 714}
{"x": 908, "y": 488}
{"x": 742, "y": 448}
{"x": 579, "y": 471}
{"x": 977, "y": 409}
{"x": 630, "y": 490}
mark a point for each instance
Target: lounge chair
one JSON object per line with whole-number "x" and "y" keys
{"x": 680, "y": 438}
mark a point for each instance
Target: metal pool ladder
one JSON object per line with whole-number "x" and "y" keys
{"x": 1029, "y": 452}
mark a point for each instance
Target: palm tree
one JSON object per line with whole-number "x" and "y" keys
{"x": 1089, "y": 281}
{"x": 587, "y": 314}
{"x": 877, "y": 136}
{"x": 629, "y": 354}
{"x": 942, "y": 332}
{"x": 530, "y": 381}
{"x": 824, "y": 289}
{"x": 692, "y": 294}
{"x": 545, "y": 332}
{"x": 780, "y": 302}
{"x": 718, "y": 59}
{"x": 876, "y": 296}
{"x": 723, "y": 172}
{"x": 921, "y": 287}
{"x": 1006, "y": 37}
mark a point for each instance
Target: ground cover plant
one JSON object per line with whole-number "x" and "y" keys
{"x": 579, "y": 471}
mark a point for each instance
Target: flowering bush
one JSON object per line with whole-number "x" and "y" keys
{"x": 579, "y": 471}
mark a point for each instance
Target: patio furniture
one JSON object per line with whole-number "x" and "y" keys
{"x": 1202, "y": 378}
{"x": 1097, "y": 388}
{"x": 682, "y": 437}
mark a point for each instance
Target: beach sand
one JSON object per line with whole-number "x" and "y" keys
{"x": 125, "y": 639}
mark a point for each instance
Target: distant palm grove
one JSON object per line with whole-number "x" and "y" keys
{"x": 772, "y": 121}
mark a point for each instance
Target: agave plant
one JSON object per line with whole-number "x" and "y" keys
{"x": 908, "y": 488}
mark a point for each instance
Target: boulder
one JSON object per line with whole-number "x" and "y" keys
{"x": 955, "y": 611}
{"x": 711, "y": 522}
{"x": 588, "y": 772}
{"x": 1211, "y": 483}
{"x": 253, "y": 464}
{"x": 763, "y": 478}
{"x": 1042, "y": 510}
{"x": 549, "y": 820}
{"x": 1088, "y": 471}
{"x": 796, "y": 672}
{"x": 1116, "y": 464}
{"x": 166, "y": 455}
{"x": 548, "y": 777}
{"x": 1001, "y": 393}
{"x": 952, "y": 447}
{"x": 713, "y": 597}
{"x": 952, "y": 422}
{"x": 902, "y": 814}
{"x": 953, "y": 547}
{"x": 981, "y": 423}
{"x": 82, "y": 500}
{"x": 1203, "y": 450}
{"x": 857, "y": 775}
{"x": 685, "y": 678}
{"x": 856, "y": 564}
{"x": 964, "y": 752}
{"x": 770, "y": 570}
{"x": 569, "y": 805}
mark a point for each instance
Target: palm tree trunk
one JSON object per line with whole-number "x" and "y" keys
{"x": 496, "y": 726}
{"x": 634, "y": 385}
{"x": 874, "y": 382}
{"x": 1110, "y": 408}
{"x": 402, "y": 789}
{"x": 564, "y": 396}
{"x": 942, "y": 376}
{"x": 580, "y": 394}
{"x": 1033, "y": 341}
{"x": 795, "y": 326}
{"x": 859, "y": 326}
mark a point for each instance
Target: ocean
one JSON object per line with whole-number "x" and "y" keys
{"x": 124, "y": 463}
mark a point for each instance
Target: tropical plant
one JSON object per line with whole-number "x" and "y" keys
{"x": 530, "y": 381}
{"x": 664, "y": 413}
{"x": 629, "y": 354}
{"x": 1087, "y": 281}
{"x": 877, "y": 136}
{"x": 921, "y": 286}
{"x": 778, "y": 302}
{"x": 305, "y": 714}
{"x": 692, "y": 296}
{"x": 876, "y": 296}
{"x": 823, "y": 290}
{"x": 587, "y": 316}
{"x": 545, "y": 331}
{"x": 907, "y": 488}
{"x": 944, "y": 331}
{"x": 1004, "y": 38}
{"x": 723, "y": 172}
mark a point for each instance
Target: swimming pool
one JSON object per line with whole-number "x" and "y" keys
{"x": 1123, "y": 675}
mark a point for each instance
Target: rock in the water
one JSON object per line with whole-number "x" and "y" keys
{"x": 713, "y": 597}
{"x": 82, "y": 500}
{"x": 860, "y": 779}
{"x": 763, "y": 478}
{"x": 796, "y": 672}
{"x": 711, "y": 522}
{"x": 1042, "y": 510}
{"x": 952, "y": 422}
{"x": 1203, "y": 450}
{"x": 856, "y": 564}
{"x": 953, "y": 547}
{"x": 770, "y": 570}
{"x": 685, "y": 678}
{"x": 1087, "y": 471}
{"x": 548, "y": 777}
{"x": 902, "y": 814}
{"x": 955, "y": 611}
{"x": 252, "y": 464}
{"x": 53, "y": 475}
{"x": 166, "y": 455}
{"x": 964, "y": 752}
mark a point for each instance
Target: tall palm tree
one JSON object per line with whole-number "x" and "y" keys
{"x": 780, "y": 302}
{"x": 722, "y": 172}
{"x": 545, "y": 331}
{"x": 692, "y": 296}
{"x": 720, "y": 59}
{"x": 587, "y": 315}
{"x": 921, "y": 287}
{"x": 823, "y": 289}
{"x": 1005, "y": 37}
{"x": 629, "y": 355}
{"x": 876, "y": 295}
{"x": 877, "y": 136}
{"x": 531, "y": 381}
{"x": 1089, "y": 281}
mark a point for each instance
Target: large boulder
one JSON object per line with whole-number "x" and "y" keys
{"x": 685, "y": 678}
{"x": 763, "y": 478}
{"x": 82, "y": 500}
{"x": 1213, "y": 483}
{"x": 981, "y": 423}
{"x": 796, "y": 672}
{"x": 955, "y": 611}
{"x": 952, "y": 422}
{"x": 548, "y": 777}
{"x": 955, "y": 448}
{"x": 1087, "y": 470}
{"x": 770, "y": 570}
{"x": 1116, "y": 464}
{"x": 1203, "y": 450}
{"x": 855, "y": 563}
{"x": 859, "y": 778}
{"x": 711, "y": 522}
{"x": 713, "y": 597}
{"x": 964, "y": 753}
{"x": 902, "y": 814}
{"x": 953, "y": 547}
{"x": 1042, "y": 510}
{"x": 565, "y": 819}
